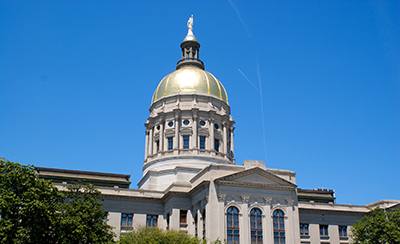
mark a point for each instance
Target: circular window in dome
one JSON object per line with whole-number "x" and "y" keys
{"x": 216, "y": 126}
{"x": 186, "y": 122}
{"x": 202, "y": 123}
{"x": 158, "y": 127}
{"x": 170, "y": 124}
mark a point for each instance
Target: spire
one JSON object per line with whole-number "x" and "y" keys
{"x": 190, "y": 49}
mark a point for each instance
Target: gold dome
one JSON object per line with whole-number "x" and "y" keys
{"x": 190, "y": 80}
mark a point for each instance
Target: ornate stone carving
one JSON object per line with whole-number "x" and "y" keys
{"x": 289, "y": 201}
{"x": 268, "y": 200}
{"x": 245, "y": 199}
{"x": 221, "y": 197}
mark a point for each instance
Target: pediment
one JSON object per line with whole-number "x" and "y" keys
{"x": 203, "y": 131}
{"x": 186, "y": 130}
{"x": 255, "y": 176}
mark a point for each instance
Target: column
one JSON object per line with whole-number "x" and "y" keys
{"x": 194, "y": 138}
{"x": 161, "y": 138}
{"x": 232, "y": 129}
{"x": 211, "y": 140}
{"x": 199, "y": 223}
{"x": 224, "y": 140}
{"x": 176, "y": 138}
{"x": 146, "y": 145}
{"x": 268, "y": 229}
{"x": 244, "y": 229}
{"x": 151, "y": 141}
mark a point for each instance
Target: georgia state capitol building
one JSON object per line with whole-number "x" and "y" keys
{"x": 191, "y": 182}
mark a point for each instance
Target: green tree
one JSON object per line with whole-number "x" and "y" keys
{"x": 27, "y": 205}
{"x": 33, "y": 210}
{"x": 378, "y": 226}
{"x": 81, "y": 218}
{"x": 145, "y": 235}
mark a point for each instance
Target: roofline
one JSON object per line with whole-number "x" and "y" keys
{"x": 38, "y": 169}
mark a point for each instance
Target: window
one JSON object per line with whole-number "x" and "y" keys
{"x": 152, "y": 220}
{"x": 216, "y": 145}
{"x": 183, "y": 215}
{"x": 216, "y": 126}
{"x": 186, "y": 122}
{"x": 170, "y": 124}
{"x": 204, "y": 222}
{"x": 342, "y": 231}
{"x": 279, "y": 227}
{"x": 304, "y": 229}
{"x": 167, "y": 218}
{"x": 170, "y": 143}
{"x": 256, "y": 226}
{"x": 202, "y": 123}
{"x": 126, "y": 220}
{"x": 157, "y": 145}
{"x": 185, "y": 142}
{"x": 195, "y": 226}
{"x": 323, "y": 230}
{"x": 232, "y": 223}
{"x": 202, "y": 142}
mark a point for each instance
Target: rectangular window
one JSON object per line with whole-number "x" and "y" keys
{"x": 183, "y": 215}
{"x": 203, "y": 214}
{"x": 304, "y": 229}
{"x": 342, "y": 231}
{"x": 167, "y": 218}
{"x": 202, "y": 142}
{"x": 185, "y": 142}
{"x": 323, "y": 230}
{"x": 157, "y": 146}
{"x": 216, "y": 145}
{"x": 170, "y": 143}
{"x": 126, "y": 219}
{"x": 152, "y": 220}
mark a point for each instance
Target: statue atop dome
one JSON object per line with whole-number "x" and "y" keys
{"x": 190, "y": 26}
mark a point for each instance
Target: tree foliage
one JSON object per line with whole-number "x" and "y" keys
{"x": 33, "y": 210}
{"x": 378, "y": 226}
{"x": 145, "y": 235}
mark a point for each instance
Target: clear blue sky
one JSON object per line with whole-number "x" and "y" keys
{"x": 76, "y": 80}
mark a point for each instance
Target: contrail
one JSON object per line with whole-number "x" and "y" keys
{"x": 248, "y": 80}
{"x": 258, "y": 74}
{"x": 240, "y": 17}
{"x": 262, "y": 110}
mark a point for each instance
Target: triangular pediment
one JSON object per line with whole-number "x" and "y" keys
{"x": 255, "y": 176}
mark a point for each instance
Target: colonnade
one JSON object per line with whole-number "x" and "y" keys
{"x": 157, "y": 139}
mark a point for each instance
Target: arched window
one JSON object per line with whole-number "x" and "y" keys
{"x": 256, "y": 226}
{"x": 279, "y": 227}
{"x": 232, "y": 223}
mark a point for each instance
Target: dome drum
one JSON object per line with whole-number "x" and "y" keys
{"x": 189, "y": 124}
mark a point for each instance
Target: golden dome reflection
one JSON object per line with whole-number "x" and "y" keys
{"x": 190, "y": 80}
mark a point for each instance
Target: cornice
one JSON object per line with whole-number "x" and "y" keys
{"x": 254, "y": 185}
{"x": 172, "y": 194}
{"x": 256, "y": 170}
{"x": 131, "y": 198}
{"x": 199, "y": 187}
{"x": 331, "y": 211}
